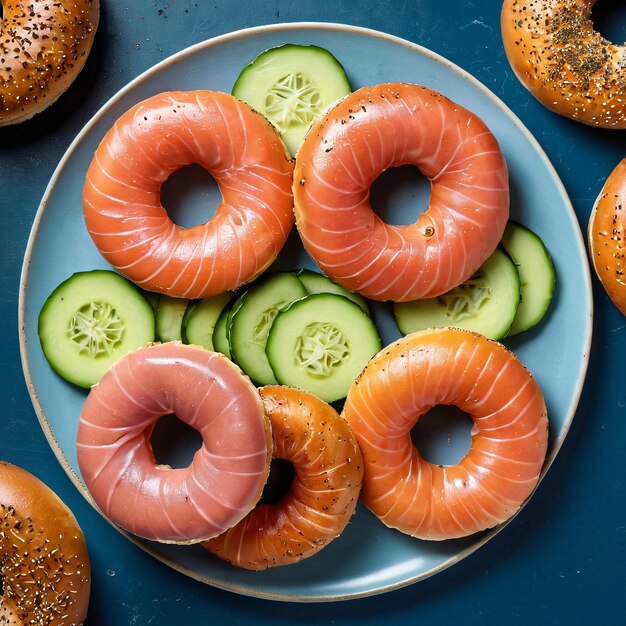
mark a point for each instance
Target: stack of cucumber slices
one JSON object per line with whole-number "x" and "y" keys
{"x": 294, "y": 328}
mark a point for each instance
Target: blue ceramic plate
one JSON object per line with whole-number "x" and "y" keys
{"x": 368, "y": 558}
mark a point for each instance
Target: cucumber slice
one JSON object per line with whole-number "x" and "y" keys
{"x": 321, "y": 343}
{"x": 221, "y": 339}
{"x": 314, "y": 282}
{"x": 152, "y": 297}
{"x": 201, "y": 318}
{"x": 486, "y": 303}
{"x": 292, "y": 86}
{"x": 536, "y": 272}
{"x": 190, "y": 307}
{"x": 169, "y": 318}
{"x": 220, "y": 332}
{"x": 252, "y": 318}
{"x": 91, "y": 320}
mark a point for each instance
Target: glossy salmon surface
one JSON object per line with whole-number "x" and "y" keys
{"x": 385, "y": 126}
{"x": 227, "y": 474}
{"x": 509, "y": 437}
{"x": 246, "y": 157}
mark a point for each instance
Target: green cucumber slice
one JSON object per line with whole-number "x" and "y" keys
{"x": 152, "y": 297}
{"x": 252, "y": 318}
{"x": 169, "y": 318}
{"x": 314, "y": 282}
{"x": 91, "y": 320}
{"x": 220, "y": 332}
{"x": 292, "y": 86}
{"x": 201, "y": 318}
{"x": 486, "y": 303}
{"x": 190, "y": 307}
{"x": 321, "y": 343}
{"x": 536, "y": 272}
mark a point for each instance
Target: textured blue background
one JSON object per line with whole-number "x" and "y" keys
{"x": 562, "y": 560}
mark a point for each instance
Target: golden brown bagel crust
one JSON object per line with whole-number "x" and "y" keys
{"x": 44, "y": 565}
{"x": 43, "y": 46}
{"x": 322, "y": 498}
{"x": 568, "y": 66}
{"x": 607, "y": 230}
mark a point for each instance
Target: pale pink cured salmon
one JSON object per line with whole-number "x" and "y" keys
{"x": 509, "y": 438}
{"x": 385, "y": 126}
{"x": 323, "y": 495}
{"x": 245, "y": 155}
{"x": 227, "y": 474}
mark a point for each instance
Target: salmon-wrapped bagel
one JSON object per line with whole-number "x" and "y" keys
{"x": 227, "y": 474}
{"x": 390, "y": 125}
{"x": 509, "y": 438}
{"x": 252, "y": 168}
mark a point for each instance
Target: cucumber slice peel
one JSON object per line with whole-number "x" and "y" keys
{"x": 200, "y": 320}
{"x": 315, "y": 282}
{"x": 91, "y": 320}
{"x": 252, "y": 316}
{"x": 188, "y": 311}
{"x": 292, "y": 85}
{"x": 152, "y": 297}
{"x": 321, "y": 343}
{"x": 486, "y": 303}
{"x": 220, "y": 333}
{"x": 169, "y": 314}
{"x": 536, "y": 271}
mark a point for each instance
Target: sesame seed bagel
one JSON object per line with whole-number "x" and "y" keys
{"x": 607, "y": 236}
{"x": 328, "y": 472}
{"x": 43, "y": 46}
{"x": 566, "y": 64}
{"x": 45, "y": 574}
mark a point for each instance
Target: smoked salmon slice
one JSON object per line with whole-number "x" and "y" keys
{"x": 509, "y": 438}
{"x": 245, "y": 155}
{"x": 385, "y": 126}
{"x": 227, "y": 474}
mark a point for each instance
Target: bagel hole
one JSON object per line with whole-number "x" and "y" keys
{"x": 443, "y": 435}
{"x": 278, "y": 481}
{"x": 609, "y": 19}
{"x": 190, "y": 196}
{"x": 400, "y": 195}
{"x": 174, "y": 443}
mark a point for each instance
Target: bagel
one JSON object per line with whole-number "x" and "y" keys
{"x": 607, "y": 230}
{"x": 44, "y": 564}
{"x": 227, "y": 474}
{"x": 43, "y": 47}
{"x": 328, "y": 471}
{"x": 252, "y": 168}
{"x": 509, "y": 439}
{"x": 564, "y": 62}
{"x": 389, "y": 125}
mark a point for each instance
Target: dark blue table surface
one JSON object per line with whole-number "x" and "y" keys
{"x": 562, "y": 560}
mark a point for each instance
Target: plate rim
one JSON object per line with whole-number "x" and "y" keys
{"x": 190, "y": 51}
